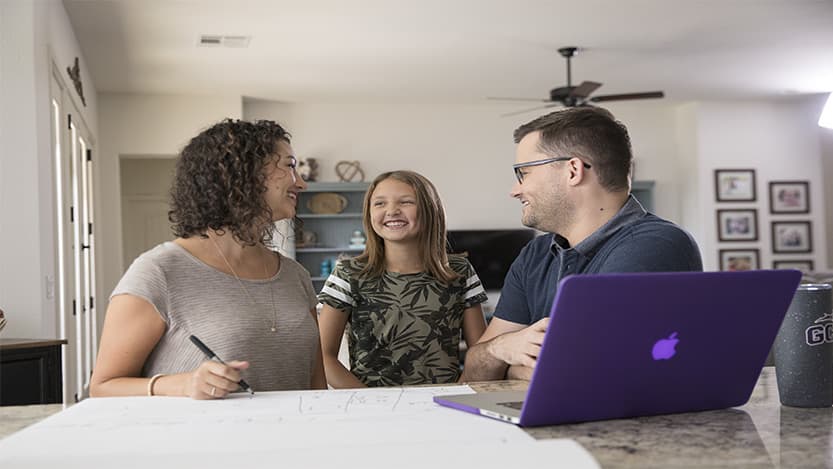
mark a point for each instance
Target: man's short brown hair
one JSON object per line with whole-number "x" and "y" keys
{"x": 591, "y": 134}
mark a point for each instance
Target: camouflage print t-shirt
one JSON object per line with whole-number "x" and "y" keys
{"x": 404, "y": 329}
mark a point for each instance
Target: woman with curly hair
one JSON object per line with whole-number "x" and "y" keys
{"x": 217, "y": 280}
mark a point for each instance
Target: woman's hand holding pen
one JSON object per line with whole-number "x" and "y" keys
{"x": 214, "y": 380}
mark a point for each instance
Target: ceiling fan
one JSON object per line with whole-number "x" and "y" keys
{"x": 572, "y": 96}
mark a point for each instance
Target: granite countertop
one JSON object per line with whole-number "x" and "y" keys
{"x": 760, "y": 434}
{"x": 17, "y": 417}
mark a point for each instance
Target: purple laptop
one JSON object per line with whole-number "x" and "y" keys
{"x": 628, "y": 345}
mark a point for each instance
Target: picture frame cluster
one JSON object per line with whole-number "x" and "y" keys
{"x": 741, "y": 224}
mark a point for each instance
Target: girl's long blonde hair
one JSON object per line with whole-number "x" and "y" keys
{"x": 431, "y": 238}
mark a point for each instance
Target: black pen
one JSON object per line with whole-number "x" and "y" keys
{"x": 211, "y": 355}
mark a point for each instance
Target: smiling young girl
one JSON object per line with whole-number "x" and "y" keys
{"x": 405, "y": 299}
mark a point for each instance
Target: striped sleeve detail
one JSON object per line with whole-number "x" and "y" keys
{"x": 473, "y": 287}
{"x": 337, "y": 295}
{"x": 337, "y": 291}
{"x": 339, "y": 282}
{"x": 471, "y": 290}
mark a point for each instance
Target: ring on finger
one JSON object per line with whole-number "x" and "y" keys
{"x": 213, "y": 389}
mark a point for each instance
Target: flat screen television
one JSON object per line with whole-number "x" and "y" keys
{"x": 491, "y": 252}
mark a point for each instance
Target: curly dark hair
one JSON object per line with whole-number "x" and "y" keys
{"x": 220, "y": 181}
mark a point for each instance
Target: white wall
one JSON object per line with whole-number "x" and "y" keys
{"x": 465, "y": 149}
{"x": 33, "y": 34}
{"x": 825, "y": 137}
{"x": 19, "y": 170}
{"x": 142, "y": 125}
{"x": 688, "y": 182}
{"x": 63, "y": 48}
{"x": 780, "y": 140}
{"x": 658, "y": 153}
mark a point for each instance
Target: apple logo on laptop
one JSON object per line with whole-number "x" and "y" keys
{"x": 664, "y": 348}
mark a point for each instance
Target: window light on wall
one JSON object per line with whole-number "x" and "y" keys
{"x": 826, "y": 118}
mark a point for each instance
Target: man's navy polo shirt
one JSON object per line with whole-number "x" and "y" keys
{"x": 632, "y": 241}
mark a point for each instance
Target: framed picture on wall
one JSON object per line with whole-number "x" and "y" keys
{"x": 734, "y": 185}
{"x": 802, "y": 265}
{"x": 792, "y": 236}
{"x": 733, "y": 260}
{"x": 789, "y": 197}
{"x": 737, "y": 225}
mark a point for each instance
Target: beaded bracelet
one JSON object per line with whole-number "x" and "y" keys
{"x": 152, "y": 382}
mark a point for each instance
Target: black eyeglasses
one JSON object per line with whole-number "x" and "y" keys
{"x": 520, "y": 175}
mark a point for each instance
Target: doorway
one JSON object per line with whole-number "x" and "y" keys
{"x": 145, "y": 183}
{"x": 73, "y": 169}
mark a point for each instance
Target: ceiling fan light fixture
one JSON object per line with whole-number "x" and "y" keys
{"x": 579, "y": 95}
{"x": 826, "y": 118}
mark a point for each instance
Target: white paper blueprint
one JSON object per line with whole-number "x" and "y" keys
{"x": 350, "y": 428}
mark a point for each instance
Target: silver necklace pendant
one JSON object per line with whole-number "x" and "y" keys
{"x": 274, "y": 327}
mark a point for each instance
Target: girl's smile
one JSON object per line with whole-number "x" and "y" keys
{"x": 394, "y": 211}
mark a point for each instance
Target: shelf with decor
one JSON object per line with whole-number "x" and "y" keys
{"x": 329, "y": 212}
{"x": 334, "y": 215}
{"x": 328, "y": 249}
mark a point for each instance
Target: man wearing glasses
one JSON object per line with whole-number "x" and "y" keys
{"x": 573, "y": 171}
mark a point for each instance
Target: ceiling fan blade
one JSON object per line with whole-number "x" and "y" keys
{"x": 513, "y": 113}
{"x": 627, "y": 96}
{"x": 584, "y": 89}
{"x": 538, "y": 100}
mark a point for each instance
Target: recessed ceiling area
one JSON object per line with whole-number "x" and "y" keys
{"x": 459, "y": 50}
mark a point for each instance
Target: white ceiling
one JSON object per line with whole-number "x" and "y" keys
{"x": 305, "y": 50}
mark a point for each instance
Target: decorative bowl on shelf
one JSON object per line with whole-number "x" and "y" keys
{"x": 327, "y": 203}
{"x": 305, "y": 238}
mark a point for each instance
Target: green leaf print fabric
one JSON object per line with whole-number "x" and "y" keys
{"x": 403, "y": 329}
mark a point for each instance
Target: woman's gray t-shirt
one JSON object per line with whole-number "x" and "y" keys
{"x": 195, "y": 298}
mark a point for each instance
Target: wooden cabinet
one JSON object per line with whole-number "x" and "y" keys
{"x": 30, "y": 371}
{"x": 331, "y": 231}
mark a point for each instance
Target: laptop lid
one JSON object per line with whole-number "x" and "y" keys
{"x": 626, "y": 345}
